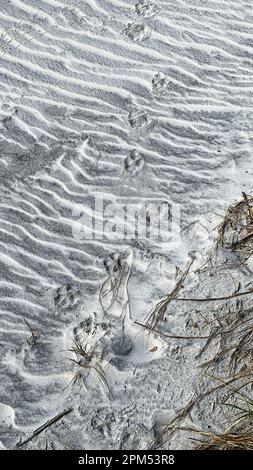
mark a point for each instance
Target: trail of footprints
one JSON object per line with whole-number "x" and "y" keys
{"x": 140, "y": 31}
{"x": 108, "y": 338}
{"x": 113, "y": 345}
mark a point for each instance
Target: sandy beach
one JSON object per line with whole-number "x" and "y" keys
{"x": 126, "y": 136}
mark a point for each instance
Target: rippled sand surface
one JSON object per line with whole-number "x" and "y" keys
{"x": 129, "y": 103}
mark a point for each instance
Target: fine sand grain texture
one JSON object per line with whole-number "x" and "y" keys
{"x": 123, "y": 105}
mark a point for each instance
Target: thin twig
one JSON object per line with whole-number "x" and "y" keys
{"x": 44, "y": 426}
{"x": 170, "y": 336}
{"x": 212, "y": 299}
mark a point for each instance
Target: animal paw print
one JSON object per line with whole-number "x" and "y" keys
{"x": 85, "y": 328}
{"x": 66, "y": 297}
{"x": 145, "y": 8}
{"x": 160, "y": 83}
{"x": 134, "y": 163}
{"x": 90, "y": 328}
{"x": 137, "y": 32}
{"x": 137, "y": 437}
{"x": 138, "y": 119}
{"x": 104, "y": 421}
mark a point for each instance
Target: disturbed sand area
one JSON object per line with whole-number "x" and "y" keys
{"x": 132, "y": 102}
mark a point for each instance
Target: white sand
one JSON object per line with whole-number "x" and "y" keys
{"x": 134, "y": 102}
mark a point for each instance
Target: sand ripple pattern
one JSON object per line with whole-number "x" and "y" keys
{"x": 132, "y": 100}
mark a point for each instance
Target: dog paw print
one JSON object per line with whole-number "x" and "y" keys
{"x": 66, "y": 297}
{"x": 160, "y": 83}
{"x": 85, "y": 328}
{"x": 91, "y": 328}
{"x": 104, "y": 422}
{"x": 138, "y": 119}
{"x": 137, "y": 437}
{"x": 137, "y": 32}
{"x": 134, "y": 163}
{"x": 145, "y": 8}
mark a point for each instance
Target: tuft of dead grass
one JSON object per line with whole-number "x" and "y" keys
{"x": 111, "y": 285}
{"x": 34, "y": 337}
{"x": 236, "y": 230}
{"x": 231, "y": 333}
{"x": 239, "y": 434}
{"x": 237, "y": 440}
{"x": 157, "y": 314}
{"x": 86, "y": 361}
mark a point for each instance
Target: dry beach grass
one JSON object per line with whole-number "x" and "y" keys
{"x": 231, "y": 334}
